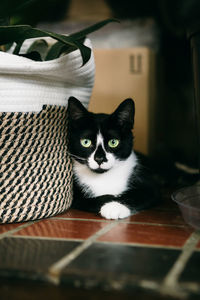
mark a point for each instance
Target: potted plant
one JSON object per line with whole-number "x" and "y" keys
{"x": 38, "y": 74}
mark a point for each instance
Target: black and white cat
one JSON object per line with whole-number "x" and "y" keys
{"x": 108, "y": 177}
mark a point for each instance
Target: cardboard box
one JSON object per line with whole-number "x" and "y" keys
{"x": 128, "y": 73}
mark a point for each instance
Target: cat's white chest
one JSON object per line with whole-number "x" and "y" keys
{"x": 113, "y": 182}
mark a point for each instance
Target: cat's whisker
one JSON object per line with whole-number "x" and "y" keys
{"x": 76, "y": 156}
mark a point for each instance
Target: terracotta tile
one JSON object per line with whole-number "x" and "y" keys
{"x": 78, "y": 214}
{"x": 148, "y": 234}
{"x": 198, "y": 245}
{"x": 6, "y": 227}
{"x": 62, "y": 229}
{"x": 159, "y": 217}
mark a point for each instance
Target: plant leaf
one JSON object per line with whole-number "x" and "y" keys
{"x": 19, "y": 33}
{"x": 34, "y": 55}
{"x": 18, "y": 47}
{"x": 58, "y": 48}
{"x": 40, "y": 46}
{"x": 92, "y": 28}
{"x": 10, "y": 34}
{"x": 22, "y": 32}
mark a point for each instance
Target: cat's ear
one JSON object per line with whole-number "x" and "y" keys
{"x": 76, "y": 109}
{"x": 125, "y": 112}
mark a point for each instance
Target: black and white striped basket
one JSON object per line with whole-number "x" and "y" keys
{"x": 35, "y": 168}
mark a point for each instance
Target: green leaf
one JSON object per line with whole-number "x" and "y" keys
{"x": 19, "y": 33}
{"x": 85, "y": 52}
{"x": 34, "y": 55}
{"x": 9, "y": 34}
{"x": 18, "y": 47}
{"x": 40, "y": 46}
{"x": 92, "y": 28}
{"x": 58, "y": 48}
{"x": 22, "y": 32}
{"x": 69, "y": 40}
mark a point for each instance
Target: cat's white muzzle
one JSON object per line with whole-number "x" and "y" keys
{"x": 103, "y": 167}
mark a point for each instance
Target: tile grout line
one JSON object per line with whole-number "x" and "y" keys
{"x": 171, "y": 279}
{"x": 135, "y": 244}
{"x": 10, "y": 232}
{"x": 80, "y": 219}
{"x": 122, "y": 221}
{"x": 156, "y": 224}
{"x": 131, "y": 244}
{"x": 56, "y": 268}
{"x": 46, "y": 238}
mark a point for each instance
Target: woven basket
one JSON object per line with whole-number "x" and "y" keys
{"x": 35, "y": 168}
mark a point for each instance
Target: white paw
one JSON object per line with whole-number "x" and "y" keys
{"x": 114, "y": 210}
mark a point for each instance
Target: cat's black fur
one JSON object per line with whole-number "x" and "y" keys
{"x": 140, "y": 192}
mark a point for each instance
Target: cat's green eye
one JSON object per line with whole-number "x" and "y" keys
{"x": 113, "y": 143}
{"x": 86, "y": 143}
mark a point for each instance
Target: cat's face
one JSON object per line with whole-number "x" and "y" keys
{"x": 100, "y": 141}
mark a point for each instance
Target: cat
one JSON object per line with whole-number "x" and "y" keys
{"x": 108, "y": 177}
